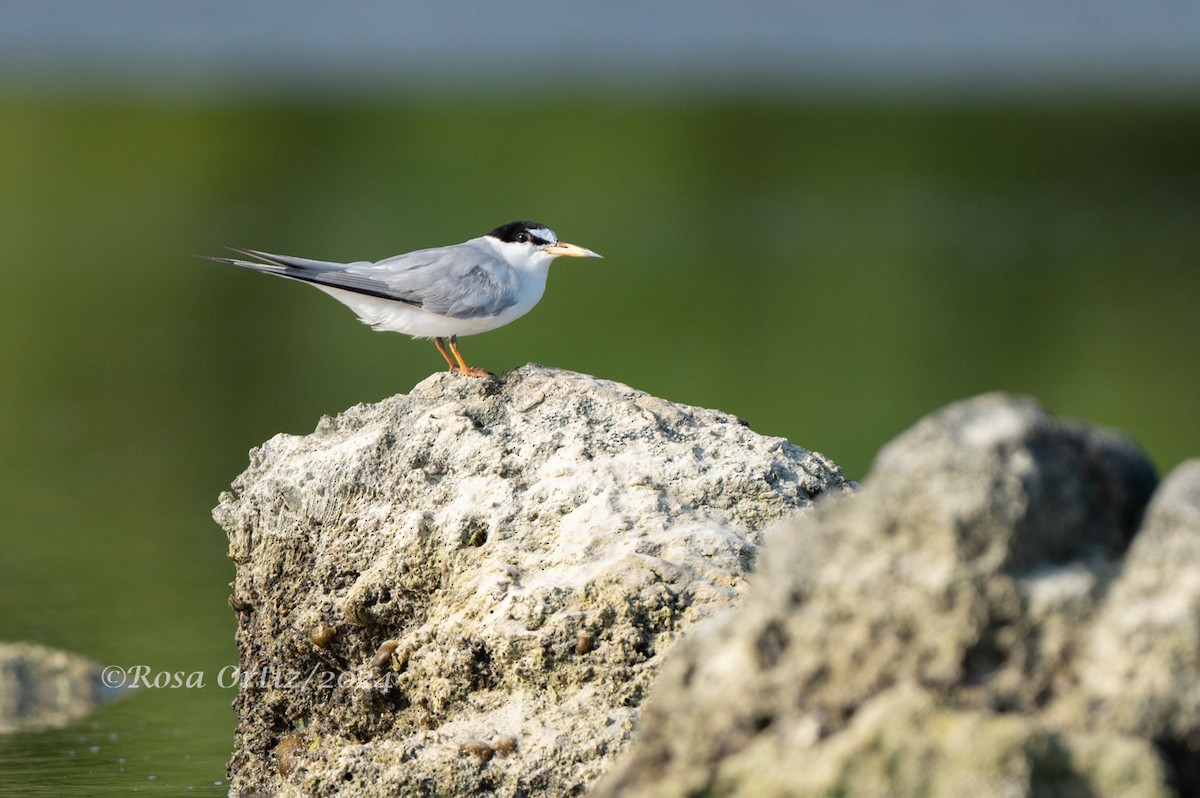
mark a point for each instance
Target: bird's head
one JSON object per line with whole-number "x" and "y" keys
{"x": 533, "y": 243}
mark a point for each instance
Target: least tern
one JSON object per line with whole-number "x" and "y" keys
{"x": 438, "y": 293}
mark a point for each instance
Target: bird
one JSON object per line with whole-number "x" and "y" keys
{"x": 439, "y": 293}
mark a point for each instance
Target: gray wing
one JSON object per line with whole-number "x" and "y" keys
{"x": 463, "y": 281}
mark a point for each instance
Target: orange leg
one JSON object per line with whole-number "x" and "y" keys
{"x": 463, "y": 368}
{"x": 442, "y": 348}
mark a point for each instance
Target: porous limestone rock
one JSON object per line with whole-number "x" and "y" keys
{"x": 468, "y": 589}
{"x": 996, "y": 613}
{"x": 1139, "y": 669}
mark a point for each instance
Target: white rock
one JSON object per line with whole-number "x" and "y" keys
{"x": 533, "y": 544}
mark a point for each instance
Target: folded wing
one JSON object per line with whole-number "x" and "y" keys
{"x": 464, "y": 281}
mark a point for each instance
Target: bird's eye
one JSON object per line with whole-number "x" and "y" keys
{"x": 523, "y": 238}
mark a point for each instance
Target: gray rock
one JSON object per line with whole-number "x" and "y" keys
{"x": 971, "y": 623}
{"x": 44, "y": 688}
{"x": 468, "y": 589}
{"x": 1140, "y": 667}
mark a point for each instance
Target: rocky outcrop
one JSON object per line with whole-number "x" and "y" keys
{"x": 44, "y": 688}
{"x": 1001, "y": 611}
{"x": 469, "y": 589}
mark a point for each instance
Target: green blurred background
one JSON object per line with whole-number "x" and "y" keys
{"x": 829, "y": 269}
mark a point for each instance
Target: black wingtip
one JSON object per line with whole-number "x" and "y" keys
{"x": 265, "y": 257}
{"x": 216, "y": 259}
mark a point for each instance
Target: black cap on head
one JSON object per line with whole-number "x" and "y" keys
{"x": 520, "y": 232}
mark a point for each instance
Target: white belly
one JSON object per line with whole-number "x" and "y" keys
{"x": 393, "y": 316}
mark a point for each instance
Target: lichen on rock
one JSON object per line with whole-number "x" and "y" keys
{"x": 469, "y": 588}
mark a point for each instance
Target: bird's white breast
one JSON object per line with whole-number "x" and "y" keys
{"x": 395, "y": 316}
